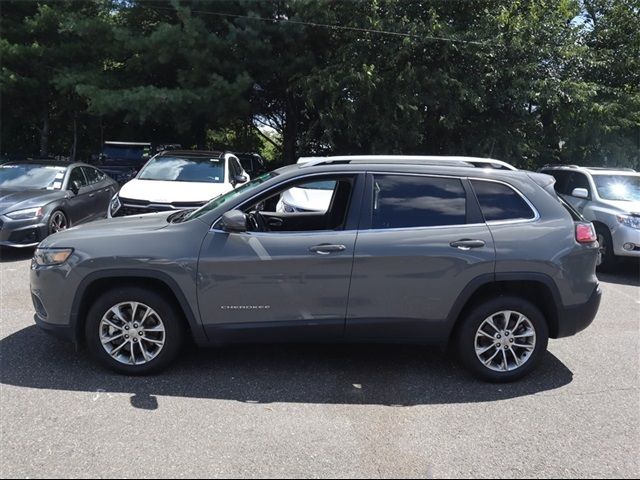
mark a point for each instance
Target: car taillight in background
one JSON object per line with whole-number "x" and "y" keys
{"x": 585, "y": 233}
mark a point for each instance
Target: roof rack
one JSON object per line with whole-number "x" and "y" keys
{"x": 453, "y": 161}
{"x": 626, "y": 169}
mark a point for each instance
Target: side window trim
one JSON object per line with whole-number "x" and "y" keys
{"x": 534, "y": 210}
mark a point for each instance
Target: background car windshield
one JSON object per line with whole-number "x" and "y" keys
{"x": 32, "y": 176}
{"x": 216, "y": 202}
{"x": 207, "y": 170}
{"x": 618, "y": 187}
{"x": 124, "y": 153}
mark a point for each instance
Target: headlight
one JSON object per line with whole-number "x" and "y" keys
{"x": 629, "y": 221}
{"x": 26, "y": 214}
{"x": 45, "y": 257}
{"x": 115, "y": 204}
{"x": 288, "y": 208}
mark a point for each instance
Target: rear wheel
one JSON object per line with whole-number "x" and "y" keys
{"x": 133, "y": 331}
{"x": 503, "y": 339}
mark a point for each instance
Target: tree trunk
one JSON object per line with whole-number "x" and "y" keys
{"x": 74, "y": 148}
{"x": 44, "y": 133}
{"x": 290, "y": 133}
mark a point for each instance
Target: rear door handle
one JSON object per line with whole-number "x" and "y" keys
{"x": 326, "y": 249}
{"x": 466, "y": 244}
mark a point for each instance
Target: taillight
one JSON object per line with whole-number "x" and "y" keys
{"x": 585, "y": 233}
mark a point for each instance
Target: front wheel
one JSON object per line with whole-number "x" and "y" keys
{"x": 503, "y": 339}
{"x": 134, "y": 331}
{"x": 608, "y": 259}
{"x": 58, "y": 222}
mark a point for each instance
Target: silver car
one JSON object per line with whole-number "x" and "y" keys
{"x": 610, "y": 198}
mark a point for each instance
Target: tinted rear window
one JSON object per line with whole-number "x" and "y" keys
{"x": 501, "y": 202}
{"x": 414, "y": 201}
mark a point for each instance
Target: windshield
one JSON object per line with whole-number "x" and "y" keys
{"x": 126, "y": 153}
{"x": 624, "y": 188}
{"x": 30, "y": 176}
{"x": 207, "y": 170}
{"x": 216, "y": 202}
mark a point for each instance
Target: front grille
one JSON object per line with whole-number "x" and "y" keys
{"x": 140, "y": 207}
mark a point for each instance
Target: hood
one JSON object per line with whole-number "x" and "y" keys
{"x": 11, "y": 200}
{"x": 112, "y": 227}
{"x": 311, "y": 199}
{"x": 157, "y": 191}
{"x": 626, "y": 207}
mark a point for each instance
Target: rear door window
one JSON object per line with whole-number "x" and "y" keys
{"x": 499, "y": 202}
{"x": 406, "y": 201}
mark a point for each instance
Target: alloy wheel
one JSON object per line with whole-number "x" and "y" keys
{"x": 58, "y": 222}
{"x": 505, "y": 341}
{"x": 132, "y": 333}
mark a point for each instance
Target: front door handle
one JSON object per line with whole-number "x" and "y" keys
{"x": 275, "y": 222}
{"x": 326, "y": 249}
{"x": 466, "y": 244}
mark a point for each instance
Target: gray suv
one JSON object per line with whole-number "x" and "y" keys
{"x": 610, "y": 198}
{"x": 436, "y": 251}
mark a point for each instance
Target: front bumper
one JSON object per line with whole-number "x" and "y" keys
{"x": 623, "y": 235}
{"x": 63, "y": 332}
{"x": 52, "y": 293}
{"x": 576, "y": 318}
{"x": 22, "y": 233}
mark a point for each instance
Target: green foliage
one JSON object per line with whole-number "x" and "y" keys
{"x": 527, "y": 81}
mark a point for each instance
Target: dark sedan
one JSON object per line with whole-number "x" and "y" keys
{"x": 38, "y": 198}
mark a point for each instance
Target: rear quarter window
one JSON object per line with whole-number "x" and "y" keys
{"x": 499, "y": 202}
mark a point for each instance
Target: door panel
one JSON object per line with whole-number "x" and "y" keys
{"x": 274, "y": 286}
{"x": 406, "y": 281}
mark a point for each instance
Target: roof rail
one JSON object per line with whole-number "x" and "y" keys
{"x": 557, "y": 165}
{"x": 453, "y": 161}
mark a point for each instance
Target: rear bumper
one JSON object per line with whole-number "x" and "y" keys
{"x": 576, "y": 318}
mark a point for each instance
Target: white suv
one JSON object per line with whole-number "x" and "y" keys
{"x": 610, "y": 198}
{"x": 178, "y": 180}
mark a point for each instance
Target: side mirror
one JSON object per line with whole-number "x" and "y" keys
{"x": 240, "y": 179}
{"x": 234, "y": 221}
{"x": 580, "y": 193}
{"x": 75, "y": 187}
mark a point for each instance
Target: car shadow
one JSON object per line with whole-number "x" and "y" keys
{"x": 627, "y": 272}
{"x": 15, "y": 254}
{"x": 320, "y": 374}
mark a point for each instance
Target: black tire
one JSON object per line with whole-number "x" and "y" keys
{"x": 54, "y": 218}
{"x": 170, "y": 317}
{"x": 466, "y": 337}
{"x": 608, "y": 258}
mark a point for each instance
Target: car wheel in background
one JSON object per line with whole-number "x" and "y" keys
{"x": 608, "y": 258}
{"x": 502, "y": 339}
{"x": 58, "y": 222}
{"x": 134, "y": 331}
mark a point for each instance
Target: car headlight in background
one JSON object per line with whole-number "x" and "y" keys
{"x": 26, "y": 214}
{"x": 629, "y": 221}
{"x": 46, "y": 257}
{"x": 114, "y": 205}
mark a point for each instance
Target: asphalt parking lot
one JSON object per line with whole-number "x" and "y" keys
{"x": 320, "y": 411}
